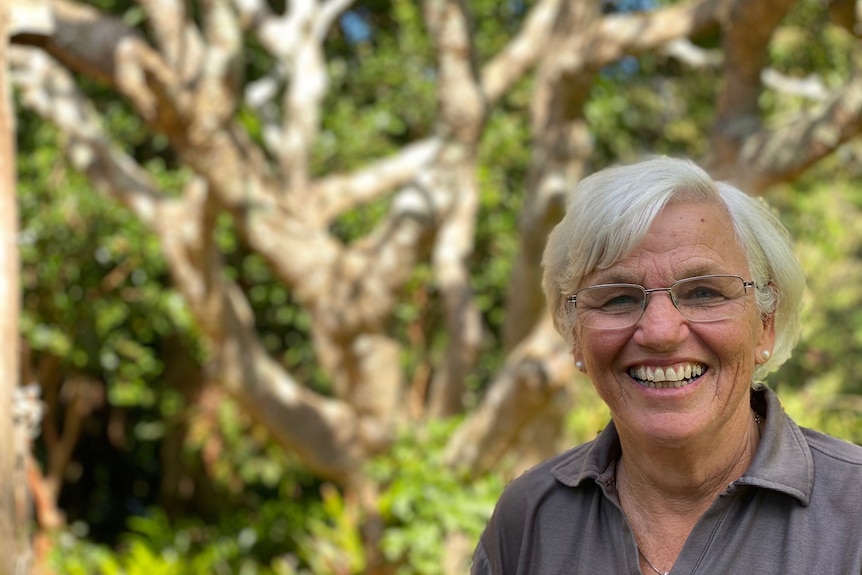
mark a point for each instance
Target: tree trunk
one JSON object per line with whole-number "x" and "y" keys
{"x": 13, "y": 511}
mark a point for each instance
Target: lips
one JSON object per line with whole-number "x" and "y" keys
{"x": 668, "y": 376}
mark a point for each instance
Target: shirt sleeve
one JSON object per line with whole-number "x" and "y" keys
{"x": 481, "y": 563}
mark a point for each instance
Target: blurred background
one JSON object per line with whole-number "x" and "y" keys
{"x": 280, "y": 260}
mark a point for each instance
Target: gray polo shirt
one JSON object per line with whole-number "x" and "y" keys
{"x": 796, "y": 510}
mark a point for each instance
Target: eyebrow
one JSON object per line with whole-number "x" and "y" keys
{"x": 636, "y": 278}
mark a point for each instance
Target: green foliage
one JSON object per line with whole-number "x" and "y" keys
{"x": 153, "y": 546}
{"x": 810, "y": 42}
{"x": 382, "y": 91}
{"x": 648, "y": 105}
{"x": 96, "y": 295}
{"x": 826, "y": 407}
{"x": 96, "y": 304}
{"x": 274, "y": 519}
{"x": 823, "y": 212}
{"x": 495, "y": 23}
{"x": 589, "y": 415}
{"x": 244, "y": 463}
{"x": 113, "y": 307}
{"x": 332, "y": 542}
{"x": 810, "y": 49}
{"x": 425, "y": 504}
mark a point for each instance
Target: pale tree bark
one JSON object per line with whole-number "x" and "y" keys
{"x": 537, "y": 373}
{"x": 14, "y": 442}
{"x": 745, "y": 55}
{"x": 184, "y": 80}
{"x": 182, "y": 74}
{"x": 461, "y": 112}
{"x": 561, "y": 146}
{"x": 8, "y": 311}
{"x": 743, "y": 151}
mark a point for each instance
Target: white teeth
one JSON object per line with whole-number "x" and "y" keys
{"x": 667, "y": 377}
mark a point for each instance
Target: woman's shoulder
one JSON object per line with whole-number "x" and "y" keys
{"x": 542, "y": 489}
{"x": 585, "y": 461}
{"x": 542, "y": 475}
{"x": 833, "y": 450}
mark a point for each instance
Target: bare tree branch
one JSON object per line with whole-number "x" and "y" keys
{"x": 522, "y": 52}
{"x": 51, "y": 93}
{"x": 338, "y": 193}
{"x": 562, "y": 146}
{"x": 300, "y": 419}
{"x": 765, "y": 159}
{"x": 461, "y": 117}
{"x": 617, "y": 35}
{"x": 811, "y": 87}
{"x": 746, "y": 38}
{"x": 534, "y": 373}
{"x": 175, "y": 35}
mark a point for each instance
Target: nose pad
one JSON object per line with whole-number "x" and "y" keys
{"x": 658, "y": 311}
{"x": 667, "y": 300}
{"x": 661, "y": 326}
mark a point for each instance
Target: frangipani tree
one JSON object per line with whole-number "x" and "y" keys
{"x": 241, "y": 99}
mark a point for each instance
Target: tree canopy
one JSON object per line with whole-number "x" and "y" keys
{"x": 284, "y": 257}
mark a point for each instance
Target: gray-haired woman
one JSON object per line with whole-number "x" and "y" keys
{"x": 677, "y": 295}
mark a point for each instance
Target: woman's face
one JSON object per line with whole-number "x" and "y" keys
{"x": 687, "y": 239}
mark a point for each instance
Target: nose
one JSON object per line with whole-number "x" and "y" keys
{"x": 661, "y": 326}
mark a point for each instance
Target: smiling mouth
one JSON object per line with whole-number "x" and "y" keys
{"x": 667, "y": 377}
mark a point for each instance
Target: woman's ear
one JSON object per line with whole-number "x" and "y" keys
{"x": 766, "y": 342}
{"x": 767, "y": 336}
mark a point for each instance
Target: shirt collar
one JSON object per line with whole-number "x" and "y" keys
{"x": 782, "y": 463}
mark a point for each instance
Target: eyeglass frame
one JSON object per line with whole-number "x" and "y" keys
{"x": 572, "y": 299}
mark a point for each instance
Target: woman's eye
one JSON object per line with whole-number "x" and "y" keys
{"x": 621, "y": 300}
{"x": 703, "y": 293}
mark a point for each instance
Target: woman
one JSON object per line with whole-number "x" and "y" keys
{"x": 677, "y": 295}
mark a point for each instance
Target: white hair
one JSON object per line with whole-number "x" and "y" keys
{"x": 609, "y": 212}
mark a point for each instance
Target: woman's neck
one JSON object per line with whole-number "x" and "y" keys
{"x": 664, "y": 491}
{"x": 684, "y": 475}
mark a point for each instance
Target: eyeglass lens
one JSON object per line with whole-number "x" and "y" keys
{"x": 698, "y": 299}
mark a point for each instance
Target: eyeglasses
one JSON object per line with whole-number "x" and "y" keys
{"x": 698, "y": 299}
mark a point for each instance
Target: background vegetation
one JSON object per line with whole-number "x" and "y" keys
{"x": 155, "y": 470}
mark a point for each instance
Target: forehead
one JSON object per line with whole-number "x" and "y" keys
{"x": 688, "y": 238}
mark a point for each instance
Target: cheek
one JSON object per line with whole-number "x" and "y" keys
{"x": 598, "y": 348}
{"x": 737, "y": 346}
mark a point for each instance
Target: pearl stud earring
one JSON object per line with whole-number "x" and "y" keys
{"x": 580, "y": 365}
{"x": 766, "y": 354}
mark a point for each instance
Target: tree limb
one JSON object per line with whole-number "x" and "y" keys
{"x": 746, "y": 35}
{"x": 336, "y": 194}
{"x": 533, "y": 374}
{"x": 765, "y": 159}
{"x": 522, "y": 52}
{"x": 321, "y": 430}
{"x": 461, "y": 118}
